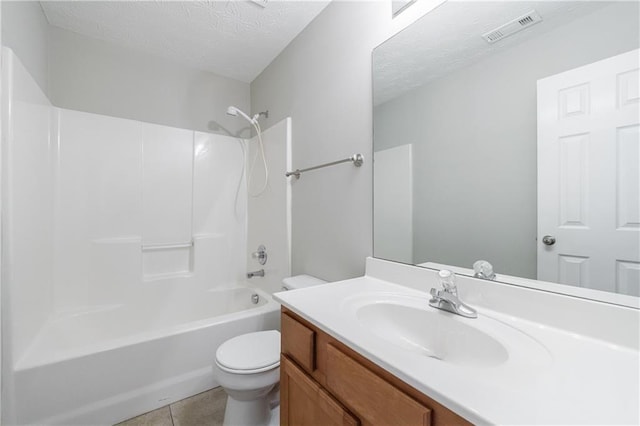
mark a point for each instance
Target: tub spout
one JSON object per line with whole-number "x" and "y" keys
{"x": 259, "y": 273}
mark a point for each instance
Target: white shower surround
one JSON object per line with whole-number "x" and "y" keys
{"x": 126, "y": 189}
{"x": 100, "y": 324}
{"x": 269, "y": 223}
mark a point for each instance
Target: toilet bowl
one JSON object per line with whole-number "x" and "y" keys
{"x": 248, "y": 369}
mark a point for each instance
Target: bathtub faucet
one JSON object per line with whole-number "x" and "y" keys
{"x": 259, "y": 273}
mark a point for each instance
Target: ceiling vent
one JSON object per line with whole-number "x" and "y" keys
{"x": 512, "y": 27}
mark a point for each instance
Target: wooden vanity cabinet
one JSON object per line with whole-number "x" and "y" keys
{"x": 323, "y": 382}
{"x": 306, "y": 403}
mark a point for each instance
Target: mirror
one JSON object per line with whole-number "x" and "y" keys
{"x": 499, "y": 123}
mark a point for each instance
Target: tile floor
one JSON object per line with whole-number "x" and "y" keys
{"x": 203, "y": 409}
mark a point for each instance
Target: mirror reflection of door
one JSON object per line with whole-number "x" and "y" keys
{"x": 588, "y": 176}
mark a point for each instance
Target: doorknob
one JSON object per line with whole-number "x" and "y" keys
{"x": 549, "y": 240}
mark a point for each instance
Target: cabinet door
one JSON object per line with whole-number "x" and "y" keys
{"x": 304, "y": 403}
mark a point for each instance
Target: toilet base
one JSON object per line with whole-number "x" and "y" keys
{"x": 257, "y": 412}
{"x": 275, "y": 416}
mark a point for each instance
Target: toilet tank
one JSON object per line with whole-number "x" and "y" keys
{"x": 300, "y": 281}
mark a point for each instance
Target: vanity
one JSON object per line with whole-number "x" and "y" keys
{"x": 324, "y": 382}
{"x": 371, "y": 351}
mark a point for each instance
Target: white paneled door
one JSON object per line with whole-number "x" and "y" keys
{"x": 588, "y": 176}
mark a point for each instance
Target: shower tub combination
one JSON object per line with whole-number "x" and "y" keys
{"x": 105, "y": 366}
{"x": 123, "y": 245}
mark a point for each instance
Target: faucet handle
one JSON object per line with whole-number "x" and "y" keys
{"x": 261, "y": 254}
{"x": 483, "y": 269}
{"x": 448, "y": 280}
{"x": 440, "y": 294}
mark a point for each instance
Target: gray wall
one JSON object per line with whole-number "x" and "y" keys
{"x": 100, "y": 77}
{"x": 474, "y": 135}
{"x": 25, "y": 31}
{"x": 323, "y": 81}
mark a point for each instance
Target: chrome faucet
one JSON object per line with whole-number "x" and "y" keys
{"x": 447, "y": 298}
{"x": 260, "y": 255}
{"x": 259, "y": 273}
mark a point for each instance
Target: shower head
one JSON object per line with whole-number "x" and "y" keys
{"x": 235, "y": 112}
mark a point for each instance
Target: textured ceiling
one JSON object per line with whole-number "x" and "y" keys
{"x": 449, "y": 38}
{"x": 235, "y": 39}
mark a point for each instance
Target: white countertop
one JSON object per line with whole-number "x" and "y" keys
{"x": 575, "y": 379}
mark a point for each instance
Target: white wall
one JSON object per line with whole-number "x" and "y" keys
{"x": 485, "y": 170}
{"x": 24, "y": 28}
{"x": 26, "y": 31}
{"x": 96, "y": 76}
{"x": 269, "y": 213}
{"x": 323, "y": 81}
{"x": 27, "y": 227}
{"x": 27, "y": 202}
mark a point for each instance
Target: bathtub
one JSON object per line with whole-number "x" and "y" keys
{"x": 112, "y": 363}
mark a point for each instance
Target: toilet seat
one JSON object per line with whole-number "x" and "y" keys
{"x": 250, "y": 353}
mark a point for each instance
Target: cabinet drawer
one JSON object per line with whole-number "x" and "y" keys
{"x": 370, "y": 397}
{"x": 298, "y": 342}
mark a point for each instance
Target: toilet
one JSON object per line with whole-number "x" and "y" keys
{"x": 250, "y": 376}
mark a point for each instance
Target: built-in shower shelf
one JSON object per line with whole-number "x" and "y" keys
{"x": 167, "y": 260}
{"x": 167, "y": 276}
{"x": 170, "y": 246}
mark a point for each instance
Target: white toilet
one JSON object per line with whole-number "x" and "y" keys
{"x": 248, "y": 368}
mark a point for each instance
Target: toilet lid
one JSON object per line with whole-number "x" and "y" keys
{"x": 250, "y": 352}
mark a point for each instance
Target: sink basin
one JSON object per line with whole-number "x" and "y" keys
{"x": 410, "y": 324}
{"x": 434, "y": 334}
